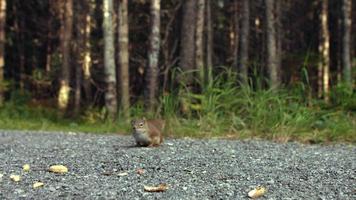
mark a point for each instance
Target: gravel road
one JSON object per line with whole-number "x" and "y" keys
{"x": 106, "y": 167}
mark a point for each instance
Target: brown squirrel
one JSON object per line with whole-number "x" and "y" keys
{"x": 148, "y": 132}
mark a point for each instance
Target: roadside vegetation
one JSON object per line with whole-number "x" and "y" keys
{"x": 222, "y": 110}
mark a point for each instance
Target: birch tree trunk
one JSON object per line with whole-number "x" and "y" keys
{"x": 65, "y": 37}
{"x": 244, "y": 42}
{"x": 2, "y": 48}
{"x": 272, "y": 62}
{"x": 123, "y": 31}
{"x": 109, "y": 59}
{"x": 346, "y": 41}
{"x": 324, "y": 51}
{"x": 153, "y": 56}
{"x": 199, "y": 46}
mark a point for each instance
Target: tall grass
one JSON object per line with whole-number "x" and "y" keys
{"x": 222, "y": 108}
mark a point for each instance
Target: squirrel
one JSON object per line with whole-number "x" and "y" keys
{"x": 148, "y": 133}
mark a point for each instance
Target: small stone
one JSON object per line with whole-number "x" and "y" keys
{"x": 15, "y": 178}
{"x": 37, "y": 184}
{"x": 26, "y": 167}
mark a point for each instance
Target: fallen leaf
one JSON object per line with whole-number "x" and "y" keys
{"x": 140, "y": 171}
{"x": 15, "y": 178}
{"x": 107, "y": 173}
{"x": 159, "y": 188}
{"x": 38, "y": 184}
{"x": 58, "y": 169}
{"x": 257, "y": 192}
{"x": 26, "y": 167}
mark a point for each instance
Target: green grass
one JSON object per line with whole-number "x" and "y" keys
{"x": 222, "y": 110}
{"x": 22, "y": 117}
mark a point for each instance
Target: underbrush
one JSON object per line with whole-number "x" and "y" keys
{"x": 221, "y": 109}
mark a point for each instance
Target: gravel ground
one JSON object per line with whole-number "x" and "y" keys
{"x": 193, "y": 169}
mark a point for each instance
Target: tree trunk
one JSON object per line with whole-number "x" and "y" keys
{"x": 209, "y": 45}
{"x": 272, "y": 62}
{"x": 65, "y": 37}
{"x": 87, "y": 60}
{"x": 279, "y": 32}
{"x": 324, "y": 51}
{"x": 236, "y": 35}
{"x": 199, "y": 46}
{"x": 2, "y": 48}
{"x": 48, "y": 49}
{"x": 244, "y": 42}
{"x": 83, "y": 11}
{"x": 109, "y": 60}
{"x": 153, "y": 56}
{"x": 187, "y": 50}
{"x": 19, "y": 29}
{"x": 123, "y": 31}
{"x": 346, "y": 41}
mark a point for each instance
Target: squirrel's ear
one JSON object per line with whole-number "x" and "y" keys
{"x": 144, "y": 118}
{"x": 132, "y": 122}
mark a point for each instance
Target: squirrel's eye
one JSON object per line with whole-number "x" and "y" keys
{"x": 141, "y": 124}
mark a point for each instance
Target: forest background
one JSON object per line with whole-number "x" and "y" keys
{"x": 279, "y": 70}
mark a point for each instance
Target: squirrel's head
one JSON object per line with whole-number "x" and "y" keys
{"x": 139, "y": 124}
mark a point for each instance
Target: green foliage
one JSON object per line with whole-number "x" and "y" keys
{"x": 224, "y": 108}
{"x": 344, "y": 96}
{"x": 220, "y": 109}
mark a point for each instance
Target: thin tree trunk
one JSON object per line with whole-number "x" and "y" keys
{"x": 237, "y": 35}
{"x": 2, "y": 48}
{"x": 109, "y": 60}
{"x": 209, "y": 45}
{"x": 244, "y": 42}
{"x": 18, "y": 29}
{"x": 324, "y": 51}
{"x": 87, "y": 62}
{"x": 346, "y": 41}
{"x": 187, "y": 48}
{"x": 82, "y": 7}
{"x": 279, "y": 32}
{"x": 49, "y": 43}
{"x": 199, "y": 46}
{"x": 153, "y": 55}
{"x": 272, "y": 62}
{"x": 65, "y": 36}
{"x": 123, "y": 31}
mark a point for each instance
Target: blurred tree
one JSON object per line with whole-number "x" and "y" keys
{"x": 187, "y": 47}
{"x": 109, "y": 60}
{"x": 271, "y": 43}
{"x": 2, "y": 48}
{"x": 153, "y": 56}
{"x": 244, "y": 42}
{"x": 88, "y": 8}
{"x": 346, "y": 41}
{"x": 123, "y": 31}
{"x": 199, "y": 46}
{"x": 209, "y": 44}
{"x": 324, "y": 51}
{"x": 66, "y": 17}
{"x": 83, "y": 53}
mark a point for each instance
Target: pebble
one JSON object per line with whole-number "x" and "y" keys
{"x": 194, "y": 169}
